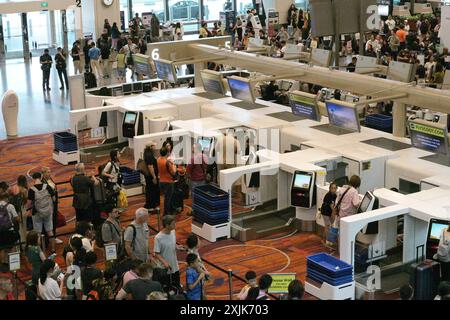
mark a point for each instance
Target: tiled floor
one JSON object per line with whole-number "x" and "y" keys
{"x": 38, "y": 112}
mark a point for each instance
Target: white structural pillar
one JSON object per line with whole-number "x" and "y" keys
{"x": 399, "y": 119}
{"x": 52, "y": 23}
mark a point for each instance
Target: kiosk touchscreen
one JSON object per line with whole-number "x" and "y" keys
{"x": 435, "y": 230}
{"x": 343, "y": 115}
{"x": 212, "y": 82}
{"x": 302, "y": 191}
{"x": 369, "y": 203}
{"x": 129, "y": 124}
{"x": 127, "y": 89}
{"x": 304, "y": 105}
{"x": 241, "y": 89}
{"x": 165, "y": 70}
{"x": 429, "y": 136}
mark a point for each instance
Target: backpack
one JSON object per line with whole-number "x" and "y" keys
{"x": 134, "y": 233}
{"x": 43, "y": 202}
{"x": 5, "y": 220}
{"x": 99, "y": 193}
{"x": 93, "y": 295}
{"x": 99, "y": 234}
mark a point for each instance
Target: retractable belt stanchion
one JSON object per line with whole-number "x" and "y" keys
{"x": 230, "y": 283}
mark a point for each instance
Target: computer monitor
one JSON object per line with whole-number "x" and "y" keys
{"x": 142, "y": 64}
{"x": 117, "y": 91}
{"x": 127, "y": 88}
{"x": 205, "y": 143}
{"x": 429, "y": 136}
{"x": 130, "y": 118}
{"x": 138, "y": 87}
{"x": 241, "y": 89}
{"x": 212, "y": 82}
{"x": 285, "y": 85}
{"x": 304, "y": 105}
{"x": 435, "y": 229}
{"x": 302, "y": 181}
{"x": 343, "y": 115}
{"x": 369, "y": 203}
{"x": 165, "y": 70}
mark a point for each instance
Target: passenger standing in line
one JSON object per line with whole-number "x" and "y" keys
{"x": 196, "y": 169}
{"x": 165, "y": 249}
{"x": 167, "y": 172}
{"x": 152, "y": 193}
{"x": 121, "y": 66}
{"x": 19, "y": 198}
{"x": 82, "y": 199}
{"x": 46, "y": 178}
{"x": 46, "y": 66}
{"x": 61, "y": 67}
{"x": 136, "y": 237}
{"x": 76, "y": 57}
{"x": 94, "y": 57}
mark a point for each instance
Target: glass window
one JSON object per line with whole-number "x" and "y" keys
{"x": 155, "y": 6}
{"x": 243, "y": 6}
{"x": 302, "y": 4}
{"x": 124, "y": 8}
{"x": 12, "y": 31}
{"x": 38, "y": 30}
{"x": 213, "y": 8}
{"x": 186, "y": 11}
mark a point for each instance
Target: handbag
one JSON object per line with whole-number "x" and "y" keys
{"x": 60, "y": 220}
{"x": 333, "y": 232}
{"x": 122, "y": 201}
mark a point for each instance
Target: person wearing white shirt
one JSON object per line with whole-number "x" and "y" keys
{"x": 49, "y": 289}
{"x": 390, "y": 23}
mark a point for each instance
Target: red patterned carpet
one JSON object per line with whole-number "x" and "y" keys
{"x": 282, "y": 254}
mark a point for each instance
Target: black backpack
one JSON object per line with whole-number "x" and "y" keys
{"x": 90, "y": 80}
{"x": 5, "y": 220}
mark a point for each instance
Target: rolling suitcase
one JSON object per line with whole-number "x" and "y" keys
{"x": 425, "y": 277}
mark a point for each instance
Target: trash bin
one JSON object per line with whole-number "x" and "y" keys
{"x": 10, "y": 110}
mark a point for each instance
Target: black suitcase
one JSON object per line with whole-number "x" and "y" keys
{"x": 90, "y": 80}
{"x": 425, "y": 277}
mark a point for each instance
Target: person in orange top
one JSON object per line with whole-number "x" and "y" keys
{"x": 168, "y": 173}
{"x": 401, "y": 34}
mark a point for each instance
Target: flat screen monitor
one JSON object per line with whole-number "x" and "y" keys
{"x": 304, "y": 105}
{"x": 165, "y": 70}
{"x": 302, "y": 181}
{"x": 127, "y": 88}
{"x": 130, "y": 118}
{"x": 241, "y": 89}
{"x": 366, "y": 201}
{"x": 429, "y": 136}
{"x": 205, "y": 143}
{"x": 117, "y": 91}
{"x": 142, "y": 64}
{"x": 343, "y": 115}
{"x": 138, "y": 87}
{"x": 212, "y": 81}
{"x": 435, "y": 229}
{"x": 285, "y": 85}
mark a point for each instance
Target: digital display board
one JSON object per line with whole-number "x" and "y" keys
{"x": 343, "y": 115}
{"x": 304, "y": 105}
{"x": 241, "y": 89}
{"x": 212, "y": 81}
{"x": 165, "y": 70}
{"x": 429, "y": 136}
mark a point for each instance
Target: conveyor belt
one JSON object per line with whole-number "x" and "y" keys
{"x": 387, "y": 144}
{"x": 209, "y": 95}
{"x": 286, "y": 116}
{"x": 331, "y": 129}
{"x": 248, "y": 106}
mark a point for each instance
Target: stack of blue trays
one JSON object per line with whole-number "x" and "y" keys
{"x": 65, "y": 142}
{"x": 210, "y": 205}
{"x": 323, "y": 267}
{"x": 130, "y": 176}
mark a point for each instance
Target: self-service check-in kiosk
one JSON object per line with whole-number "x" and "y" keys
{"x": 132, "y": 124}
{"x": 435, "y": 230}
{"x": 303, "y": 189}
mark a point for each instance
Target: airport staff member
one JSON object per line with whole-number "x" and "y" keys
{"x": 46, "y": 66}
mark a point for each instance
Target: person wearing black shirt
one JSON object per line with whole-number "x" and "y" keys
{"x": 327, "y": 207}
{"x": 46, "y": 66}
{"x": 61, "y": 67}
{"x": 151, "y": 180}
{"x": 76, "y": 57}
{"x": 82, "y": 191}
{"x": 87, "y": 60}
{"x": 107, "y": 26}
{"x": 270, "y": 91}
{"x": 104, "y": 44}
{"x": 90, "y": 273}
{"x": 352, "y": 65}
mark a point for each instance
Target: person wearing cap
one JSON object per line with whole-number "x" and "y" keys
{"x": 136, "y": 237}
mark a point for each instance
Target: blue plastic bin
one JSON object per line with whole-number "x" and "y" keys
{"x": 65, "y": 141}
{"x": 320, "y": 277}
{"x": 130, "y": 176}
{"x": 329, "y": 265}
{"x": 379, "y": 122}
